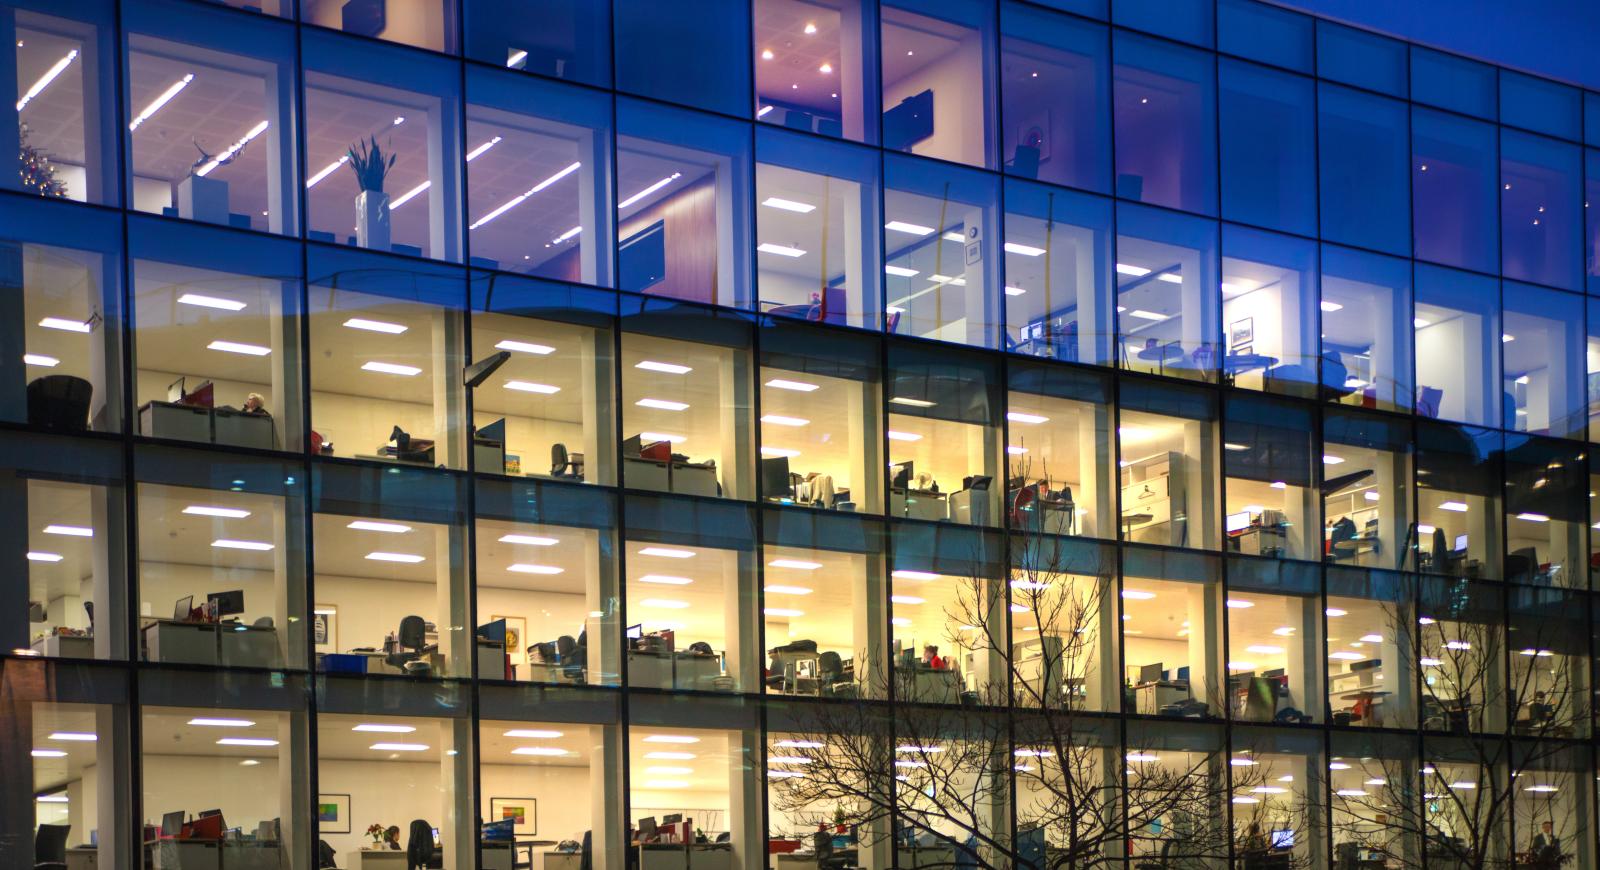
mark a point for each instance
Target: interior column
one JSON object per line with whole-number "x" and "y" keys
{"x": 288, "y": 416}
{"x": 1205, "y": 644}
{"x": 458, "y": 830}
{"x": 290, "y": 608}
{"x": 606, "y": 787}
{"x": 1092, "y": 507}
{"x": 600, "y": 598}
{"x": 110, "y": 580}
{"x": 457, "y": 634}
{"x": 741, "y": 620}
{"x": 870, "y": 614}
{"x": 444, "y": 175}
{"x": 1303, "y": 662}
{"x": 449, "y": 404}
{"x": 746, "y": 800}
{"x": 294, "y": 799}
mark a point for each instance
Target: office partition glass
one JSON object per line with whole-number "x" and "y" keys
{"x": 1363, "y": 149}
{"x": 1551, "y": 688}
{"x": 938, "y": 79}
{"x": 538, "y": 183}
{"x": 567, "y": 39}
{"x": 941, "y": 267}
{"x": 1166, "y": 297}
{"x": 695, "y": 55}
{"x": 1456, "y": 327}
{"x": 949, "y": 615}
{"x": 817, "y": 69}
{"x": 65, "y": 315}
{"x": 386, "y": 357}
{"x": 1277, "y": 782}
{"x": 943, "y": 436}
{"x": 1270, "y": 502}
{"x": 683, "y": 200}
{"x": 365, "y": 105}
{"x": 1168, "y": 456}
{"x": 1540, "y": 345}
{"x": 1377, "y": 811}
{"x": 1365, "y": 304}
{"x": 1461, "y": 648}
{"x": 221, "y": 575}
{"x": 71, "y": 784}
{"x": 1086, "y": 763}
{"x": 823, "y": 605}
{"x": 1268, "y": 169}
{"x": 817, "y": 236}
{"x": 1058, "y": 477}
{"x": 1372, "y": 649}
{"x": 1055, "y": 93}
{"x": 1269, "y": 310}
{"x": 821, "y": 412}
{"x": 545, "y": 567}
{"x": 390, "y": 559}
{"x": 1366, "y": 491}
{"x": 1547, "y": 494}
{"x": 63, "y": 70}
{"x": 686, "y": 404}
{"x": 217, "y": 350}
{"x": 69, "y": 551}
{"x": 1540, "y": 215}
{"x": 1164, "y": 111}
{"x": 211, "y": 127}
{"x": 1173, "y": 634}
{"x": 424, "y": 25}
{"x": 1057, "y": 270}
{"x": 1453, "y": 178}
{"x": 547, "y": 411}
{"x": 1179, "y": 773}
{"x": 1458, "y": 500}
{"x": 1064, "y": 640}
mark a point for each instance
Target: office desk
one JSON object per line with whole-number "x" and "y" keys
{"x": 374, "y": 859}
{"x": 60, "y": 646}
{"x": 211, "y": 643}
{"x": 699, "y": 856}
{"x": 1149, "y": 698}
{"x": 928, "y": 686}
{"x": 679, "y": 670}
{"x": 217, "y": 426}
{"x": 217, "y": 855}
{"x": 498, "y": 855}
{"x": 83, "y": 858}
{"x": 692, "y": 478}
{"x": 561, "y": 860}
{"x": 969, "y": 506}
{"x": 918, "y": 505}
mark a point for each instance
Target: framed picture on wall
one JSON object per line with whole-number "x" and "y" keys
{"x": 520, "y": 809}
{"x": 516, "y": 636}
{"x": 333, "y": 813}
{"x": 1241, "y": 332}
{"x": 325, "y": 628}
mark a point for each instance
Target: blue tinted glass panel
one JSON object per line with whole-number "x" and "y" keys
{"x": 1188, "y": 20}
{"x": 938, "y": 79}
{"x": 1362, "y": 146}
{"x": 1453, "y": 83}
{"x": 1540, "y": 210}
{"x": 1055, "y": 86}
{"x": 1591, "y": 118}
{"x": 1090, "y": 8}
{"x": 694, "y": 52}
{"x": 1165, "y": 124}
{"x": 1454, "y": 211}
{"x": 1591, "y": 214}
{"x": 1457, "y": 327}
{"x": 1540, "y": 105}
{"x": 1266, "y": 33}
{"x": 1268, "y": 147}
{"x": 566, "y": 39}
{"x": 1362, "y": 59}
{"x": 1541, "y": 348}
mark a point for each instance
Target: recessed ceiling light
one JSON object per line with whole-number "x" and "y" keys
{"x": 239, "y": 347}
{"x": 247, "y": 741}
{"x": 1146, "y": 315}
{"x": 74, "y": 736}
{"x": 662, "y": 404}
{"x": 780, "y": 250}
{"x": 1456, "y": 506}
{"x": 400, "y": 747}
{"x": 780, "y": 420}
{"x": 1240, "y": 603}
{"x": 903, "y": 436}
{"x": 649, "y": 190}
{"x": 906, "y": 574}
{"x": 788, "y": 205}
{"x": 1030, "y": 419}
{"x": 161, "y": 100}
{"x": 384, "y": 729}
{"x": 230, "y": 544}
{"x": 211, "y": 302}
{"x": 1015, "y": 291}
{"x": 797, "y": 386}
{"x": 811, "y": 28}
{"x": 667, "y": 552}
{"x": 39, "y": 359}
{"x": 64, "y": 324}
{"x": 522, "y": 197}
{"x": 70, "y": 531}
{"x": 671, "y": 738}
{"x": 666, "y": 580}
{"x": 1132, "y": 271}
{"x": 915, "y": 403}
{"x": 526, "y": 568}
{"x": 529, "y": 540}
{"x": 407, "y": 558}
{"x": 533, "y": 733}
{"x": 1024, "y": 250}
{"x": 375, "y": 326}
{"x": 49, "y": 76}
{"x": 901, "y": 271}
{"x": 52, "y": 799}
{"x": 908, "y": 228}
{"x": 766, "y": 54}
{"x": 531, "y": 387}
{"x": 375, "y": 526}
{"x": 390, "y": 368}
{"x": 796, "y": 564}
{"x": 1330, "y": 307}
{"x": 49, "y": 753}
{"x": 907, "y": 599}
{"x": 524, "y": 347}
{"x": 41, "y": 556}
{"x": 221, "y": 723}
{"x": 201, "y": 510}
{"x": 666, "y": 367}
{"x": 477, "y": 152}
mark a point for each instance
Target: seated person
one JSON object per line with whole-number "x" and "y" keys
{"x": 930, "y": 658}
{"x": 391, "y": 838}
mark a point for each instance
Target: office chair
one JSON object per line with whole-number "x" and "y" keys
{"x": 50, "y": 847}
{"x": 60, "y": 402}
{"x": 325, "y": 857}
{"x": 830, "y": 670}
{"x": 413, "y": 637}
{"x": 586, "y": 853}
{"x": 822, "y": 845}
{"x": 420, "y": 853}
{"x": 564, "y": 464}
{"x": 1428, "y": 401}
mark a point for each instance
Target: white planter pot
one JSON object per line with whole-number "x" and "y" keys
{"x": 372, "y": 220}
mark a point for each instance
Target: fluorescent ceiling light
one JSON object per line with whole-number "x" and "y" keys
{"x": 908, "y": 228}
{"x": 375, "y": 526}
{"x": 549, "y": 751}
{"x": 1015, "y": 291}
{"x": 524, "y": 347}
{"x": 900, "y": 271}
{"x": 780, "y": 420}
{"x": 953, "y": 236}
{"x": 1507, "y": 338}
{"x": 227, "y": 153}
{"x": 64, "y": 324}
{"x": 1024, "y": 250}
{"x": 161, "y": 100}
{"x": 202, "y": 510}
{"x": 230, "y": 544}
{"x": 651, "y": 365}
{"x": 376, "y": 325}
{"x": 534, "y": 733}
{"x": 905, "y": 574}
{"x": 671, "y": 738}
{"x": 239, "y": 347}
{"x": 477, "y": 152}
{"x": 787, "y": 590}
{"x": 1138, "y": 594}
{"x": 40, "y": 556}
{"x": 666, "y": 580}
{"x": 211, "y": 302}
{"x": 529, "y": 540}
{"x": 907, "y": 599}
{"x": 70, "y": 531}
{"x": 1532, "y": 518}
{"x": 1240, "y": 603}
{"x": 1346, "y": 656}
{"x": 1146, "y": 315}
{"x": 665, "y": 603}
{"x": 517, "y": 200}
{"x": 1030, "y": 419}
{"x": 39, "y": 359}
{"x": 783, "y": 612}
{"x": 1330, "y": 459}
{"x": 525, "y": 568}
{"x": 667, "y": 552}
{"x": 796, "y": 564}
{"x": 407, "y": 558}
{"x": 788, "y": 205}
{"x": 400, "y": 747}
{"x": 1371, "y": 638}
{"x": 1133, "y": 271}
{"x": 798, "y": 744}
{"x": 649, "y": 190}
{"x": 779, "y": 451}
{"x": 566, "y": 235}
{"x": 247, "y": 741}
{"x": 669, "y": 756}
{"x": 49, "y": 753}
{"x": 384, "y": 729}
{"x": 52, "y": 799}
{"x": 662, "y": 404}
{"x": 903, "y": 436}
{"x": 49, "y": 76}
{"x": 516, "y": 59}
{"x": 74, "y": 737}
{"x": 915, "y": 403}
{"x": 221, "y": 723}
{"x": 1330, "y": 307}
{"x": 1014, "y": 450}
{"x": 1170, "y": 278}
{"x": 326, "y": 171}
{"x": 762, "y": 113}
{"x": 390, "y": 368}
{"x": 780, "y": 250}
{"x": 797, "y": 386}
{"x": 531, "y": 387}
{"x": 1419, "y": 322}
{"x": 1456, "y": 506}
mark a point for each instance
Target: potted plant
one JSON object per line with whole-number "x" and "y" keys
{"x": 375, "y": 831}
{"x": 371, "y": 165}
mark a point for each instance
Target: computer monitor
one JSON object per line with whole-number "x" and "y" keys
{"x": 647, "y": 828}
{"x": 436, "y": 836}
{"x": 775, "y": 482}
{"x": 175, "y": 391}
{"x": 1150, "y": 673}
{"x": 182, "y": 609}
{"x": 227, "y": 603}
{"x": 494, "y": 632}
{"x": 172, "y": 823}
{"x": 1283, "y": 839}
{"x": 495, "y": 432}
{"x": 904, "y": 474}
{"x": 1238, "y": 522}
{"x": 1460, "y": 544}
{"x": 671, "y": 818}
{"x": 206, "y": 814}
{"x": 635, "y": 631}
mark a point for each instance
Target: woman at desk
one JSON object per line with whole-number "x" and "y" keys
{"x": 391, "y": 838}
{"x": 930, "y": 658}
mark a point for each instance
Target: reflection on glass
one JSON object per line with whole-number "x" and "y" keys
{"x": 1458, "y": 501}
{"x": 1540, "y": 215}
{"x": 818, "y": 437}
{"x": 545, "y": 779}
{"x": 1059, "y": 454}
{"x": 548, "y": 584}
{"x": 1055, "y": 92}
{"x": 65, "y": 134}
{"x": 816, "y": 621}
{"x": 1456, "y": 321}
{"x": 1271, "y": 505}
{"x": 75, "y": 780}
{"x": 1168, "y": 471}
{"x": 1539, "y": 350}
{"x": 1546, "y": 497}
{"x": 1453, "y": 192}
{"x": 944, "y": 444}
{"x": 1460, "y": 647}
{"x": 424, "y": 25}
{"x": 1268, "y": 290}
{"x": 1165, "y": 115}
{"x": 1372, "y": 669}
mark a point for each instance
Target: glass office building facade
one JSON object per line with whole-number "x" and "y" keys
{"x": 1266, "y": 340}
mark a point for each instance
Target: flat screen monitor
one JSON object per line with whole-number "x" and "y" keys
{"x": 1150, "y": 673}
{"x": 1238, "y": 522}
{"x": 671, "y": 818}
{"x": 642, "y": 257}
{"x": 1283, "y": 839}
{"x": 436, "y": 836}
{"x": 909, "y": 122}
{"x": 495, "y": 432}
{"x": 636, "y": 631}
{"x": 1461, "y": 544}
{"x": 172, "y": 823}
{"x": 775, "y": 478}
{"x": 228, "y": 603}
{"x": 181, "y": 609}
{"x": 904, "y": 474}
{"x": 647, "y": 827}
{"x": 493, "y": 631}
{"x": 175, "y": 391}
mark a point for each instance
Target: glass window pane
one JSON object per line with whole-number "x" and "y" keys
{"x": 1548, "y": 807}
{"x": 816, "y": 230}
{"x": 683, "y": 221}
{"x": 939, "y": 262}
{"x": 1167, "y": 436}
{"x": 1059, "y": 424}
{"x": 1186, "y": 20}
{"x": 1058, "y": 262}
{"x": 1270, "y": 507}
{"x": 537, "y": 187}
{"x": 425, "y": 25}
{"x": 718, "y": 751}
{"x": 1273, "y": 775}
{"x": 1539, "y": 212}
{"x": 1165, "y": 115}
{"x": 938, "y": 79}
{"x": 1362, "y": 153}
{"x": 692, "y": 53}
{"x": 64, "y": 74}
{"x": 1268, "y": 147}
{"x": 1269, "y": 284}
{"x": 1366, "y": 301}
{"x": 1056, "y": 92}
{"x": 1361, "y": 58}
{"x": 1269, "y": 34}
{"x": 1366, "y": 490}
{"x": 1591, "y": 214}
{"x": 1458, "y": 501}
{"x": 1547, "y": 496}
{"x": 1453, "y": 191}
{"x": 1172, "y": 634}
{"x": 1377, "y": 811}
{"x": 1371, "y": 652}
{"x": 822, "y": 581}
{"x": 566, "y": 39}
{"x": 1456, "y": 325}
{"x": 1460, "y": 635}
{"x": 1540, "y": 105}
{"x": 547, "y": 777}
{"x": 1063, "y": 628}
{"x": 816, "y": 70}
{"x": 1166, "y": 307}
{"x": 71, "y": 789}
{"x": 945, "y": 577}
{"x": 1454, "y": 83}
{"x": 943, "y": 436}
{"x": 1540, "y": 346}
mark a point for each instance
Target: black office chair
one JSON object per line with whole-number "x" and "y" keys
{"x": 586, "y": 853}
{"x": 564, "y": 464}
{"x": 50, "y": 847}
{"x": 420, "y": 852}
{"x": 830, "y": 669}
{"x": 325, "y": 857}
{"x": 827, "y": 859}
{"x": 565, "y": 647}
{"x": 413, "y": 637}
{"x": 60, "y": 402}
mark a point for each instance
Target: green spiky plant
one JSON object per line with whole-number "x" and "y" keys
{"x": 370, "y": 165}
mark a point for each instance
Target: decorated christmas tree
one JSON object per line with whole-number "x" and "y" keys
{"x": 37, "y": 173}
